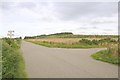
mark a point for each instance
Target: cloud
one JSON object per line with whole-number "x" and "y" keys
{"x": 6, "y": 5}
{"x": 75, "y": 10}
{"x": 107, "y": 29}
{"x": 28, "y": 5}
{"x": 35, "y": 18}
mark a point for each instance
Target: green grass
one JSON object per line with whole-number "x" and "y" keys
{"x": 13, "y": 65}
{"x": 106, "y": 56}
{"x": 64, "y": 45}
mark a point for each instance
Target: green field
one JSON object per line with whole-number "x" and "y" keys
{"x": 13, "y": 65}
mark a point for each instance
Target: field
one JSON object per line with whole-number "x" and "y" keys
{"x": 62, "y": 40}
{"x": 73, "y": 42}
{"x": 13, "y": 65}
{"x": 67, "y": 37}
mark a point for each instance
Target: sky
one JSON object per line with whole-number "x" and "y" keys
{"x": 35, "y": 17}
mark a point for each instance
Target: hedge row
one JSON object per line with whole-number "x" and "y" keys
{"x": 12, "y": 61}
{"x": 97, "y": 42}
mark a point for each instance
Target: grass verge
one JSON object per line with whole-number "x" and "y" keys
{"x": 106, "y": 56}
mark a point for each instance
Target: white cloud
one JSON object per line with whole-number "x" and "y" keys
{"x": 60, "y": 0}
{"x": 35, "y": 18}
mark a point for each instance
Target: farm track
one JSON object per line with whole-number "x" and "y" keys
{"x": 44, "y": 62}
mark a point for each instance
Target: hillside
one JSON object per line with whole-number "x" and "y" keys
{"x": 69, "y": 35}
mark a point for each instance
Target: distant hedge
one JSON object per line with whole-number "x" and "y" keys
{"x": 63, "y": 33}
{"x": 97, "y": 42}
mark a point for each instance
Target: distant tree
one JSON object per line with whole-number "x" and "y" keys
{"x": 29, "y": 37}
{"x": 20, "y": 37}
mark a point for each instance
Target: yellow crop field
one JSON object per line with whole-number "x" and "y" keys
{"x": 62, "y": 40}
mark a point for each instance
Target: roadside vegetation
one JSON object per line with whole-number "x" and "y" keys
{"x": 0, "y": 59}
{"x": 13, "y": 65}
{"x": 110, "y": 55}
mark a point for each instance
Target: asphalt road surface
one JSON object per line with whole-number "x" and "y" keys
{"x": 44, "y": 62}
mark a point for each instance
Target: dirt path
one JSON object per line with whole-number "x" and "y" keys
{"x": 43, "y": 62}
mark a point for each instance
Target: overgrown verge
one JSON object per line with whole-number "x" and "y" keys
{"x": 110, "y": 55}
{"x": 13, "y": 65}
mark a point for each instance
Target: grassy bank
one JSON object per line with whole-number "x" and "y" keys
{"x": 110, "y": 55}
{"x": 13, "y": 65}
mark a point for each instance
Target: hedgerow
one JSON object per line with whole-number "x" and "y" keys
{"x": 12, "y": 61}
{"x": 100, "y": 42}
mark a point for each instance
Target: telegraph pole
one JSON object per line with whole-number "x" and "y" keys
{"x": 10, "y": 33}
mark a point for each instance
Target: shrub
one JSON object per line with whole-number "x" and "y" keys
{"x": 107, "y": 40}
{"x": 13, "y": 64}
{"x": 85, "y": 41}
{"x": 0, "y": 58}
{"x": 101, "y": 42}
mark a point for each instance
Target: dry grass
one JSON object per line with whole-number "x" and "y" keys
{"x": 62, "y": 40}
{"x": 113, "y": 48}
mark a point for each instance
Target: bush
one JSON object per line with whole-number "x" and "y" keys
{"x": 14, "y": 43}
{"x": 101, "y": 42}
{"x": 107, "y": 40}
{"x": 85, "y": 41}
{"x": 89, "y": 42}
{"x": 0, "y": 58}
{"x": 13, "y": 64}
